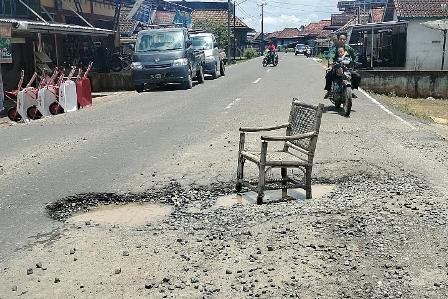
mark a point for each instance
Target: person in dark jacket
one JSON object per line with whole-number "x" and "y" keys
{"x": 341, "y": 42}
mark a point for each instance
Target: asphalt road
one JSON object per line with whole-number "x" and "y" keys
{"x": 135, "y": 141}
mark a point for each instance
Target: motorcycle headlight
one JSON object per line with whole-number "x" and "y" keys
{"x": 180, "y": 62}
{"x": 137, "y": 66}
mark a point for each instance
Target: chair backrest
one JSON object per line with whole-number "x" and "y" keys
{"x": 304, "y": 118}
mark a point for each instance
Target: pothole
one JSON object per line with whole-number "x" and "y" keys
{"x": 132, "y": 214}
{"x": 247, "y": 198}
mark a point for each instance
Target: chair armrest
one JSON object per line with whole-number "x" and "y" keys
{"x": 288, "y": 138}
{"x": 264, "y": 128}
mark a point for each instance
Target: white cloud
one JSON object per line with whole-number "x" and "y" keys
{"x": 279, "y": 14}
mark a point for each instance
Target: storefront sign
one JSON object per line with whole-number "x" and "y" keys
{"x": 5, "y": 43}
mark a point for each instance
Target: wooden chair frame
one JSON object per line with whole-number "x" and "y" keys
{"x": 302, "y": 131}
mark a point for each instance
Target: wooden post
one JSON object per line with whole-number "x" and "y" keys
{"x": 284, "y": 172}
{"x": 2, "y": 95}
{"x": 444, "y": 48}
{"x": 240, "y": 169}
{"x": 262, "y": 173}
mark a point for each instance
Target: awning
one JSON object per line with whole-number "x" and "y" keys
{"x": 58, "y": 28}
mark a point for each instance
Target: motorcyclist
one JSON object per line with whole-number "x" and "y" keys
{"x": 271, "y": 51}
{"x": 333, "y": 56}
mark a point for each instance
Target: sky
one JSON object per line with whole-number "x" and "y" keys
{"x": 279, "y": 14}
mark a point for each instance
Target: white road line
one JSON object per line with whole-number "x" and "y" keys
{"x": 256, "y": 81}
{"x": 385, "y": 109}
{"x": 268, "y": 70}
{"x": 233, "y": 103}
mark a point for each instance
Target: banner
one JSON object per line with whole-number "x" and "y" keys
{"x": 183, "y": 19}
{"x": 140, "y": 12}
{"x": 5, "y": 43}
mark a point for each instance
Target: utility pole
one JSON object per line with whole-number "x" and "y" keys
{"x": 228, "y": 32}
{"x": 262, "y": 27}
{"x": 234, "y": 26}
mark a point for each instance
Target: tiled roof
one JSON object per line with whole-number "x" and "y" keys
{"x": 316, "y": 28}
{"x": 289, "y": 33}
{"x": 274, "y": 34}
{"x": 420, "y": 8}
{"x": 378, "y": 14}
{"x": 218, "y": 16}
{"x": 126, "y": 26}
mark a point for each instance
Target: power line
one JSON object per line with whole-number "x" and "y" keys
{"x": 245, "y": 12}
{"x": 298, "y": 4}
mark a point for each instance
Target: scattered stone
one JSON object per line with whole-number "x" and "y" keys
{"x": 14, "y": 288}
{"x": 57, "y": 280}
{"x": 125, "y": 253}
{"x": 29, "y": 271}
{"x": 72, "y": 251}
{"x": 118, "y": 271}
{"x": 39, "y": 265}
{"x": 228, "y": 272}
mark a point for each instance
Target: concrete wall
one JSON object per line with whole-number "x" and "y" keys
{"x": 416, "y": 84}
{"x": 424, "y": 47}
{"x": 111, "y": 82}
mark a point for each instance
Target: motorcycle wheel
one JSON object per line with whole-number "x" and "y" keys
{"x": 116, "y": 66}
{"x": 348, "y": 93}
{"x": 222, "y": 69}
{"x": 14, "y": 115}
{"x": 275, "y": 62}
{"x": 265, "y": 62}
{"x": 126, "y": 64}
{"x": 200, "y": 75}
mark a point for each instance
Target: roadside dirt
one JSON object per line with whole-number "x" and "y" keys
{"x": 369, "y": 237}
{"x": 435, "y": 110}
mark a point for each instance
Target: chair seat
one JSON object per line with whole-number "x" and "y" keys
{"x": 276, "y": 158}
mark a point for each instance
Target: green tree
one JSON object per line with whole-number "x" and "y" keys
{"x": 218, "y": 29}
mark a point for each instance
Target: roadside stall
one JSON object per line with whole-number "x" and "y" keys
{"x": 39, "y": 46}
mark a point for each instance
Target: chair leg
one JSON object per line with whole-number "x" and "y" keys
{"x": 240, "y": 169}
{"x": 284, "y": 189}
{"x": 308, "y": 183}
{"x": 261, "y": 184}
{"x": 262, "y": 173}
{"x": 240, "y": 175}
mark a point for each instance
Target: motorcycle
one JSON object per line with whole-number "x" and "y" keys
{"x": 308, "y": 53}
{"x": 341, "y": 88}
{"x": 270, "y": 58}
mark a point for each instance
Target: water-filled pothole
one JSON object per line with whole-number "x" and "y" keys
{"x": 131, "y": 214}
{"x": 246, "y": 198}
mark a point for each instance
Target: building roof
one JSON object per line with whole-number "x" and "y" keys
{"x": 378, "y": 14}
{"x": 288, "y": 33}
{"x": 218, "y": 16}
{"x": 316, "y": 29}
{"x": 420, "y": 8}
{"x": 274, "y": 34}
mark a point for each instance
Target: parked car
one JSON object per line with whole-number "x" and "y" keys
{"x": 214, "y": 57}
{"x": 166, "y": 56}
{"x": 300, "y": 49}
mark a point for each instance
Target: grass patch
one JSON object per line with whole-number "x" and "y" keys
{"x": 426, "y": 109}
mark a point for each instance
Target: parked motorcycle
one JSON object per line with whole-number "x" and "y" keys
{"x": 270, "y": 58}
{"x": 341, "y": 88}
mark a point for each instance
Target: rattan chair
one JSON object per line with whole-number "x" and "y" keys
{"x": 299, "y": 146}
